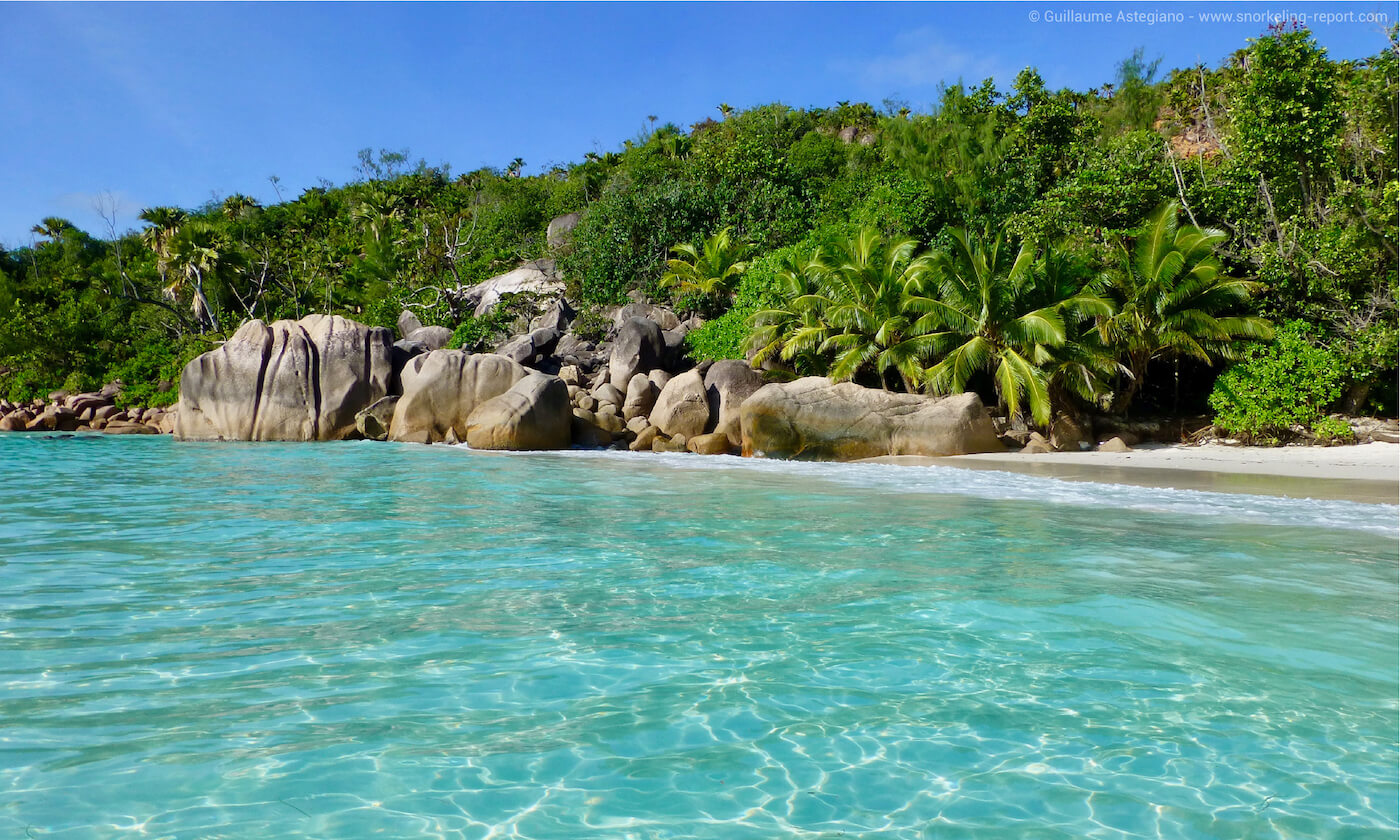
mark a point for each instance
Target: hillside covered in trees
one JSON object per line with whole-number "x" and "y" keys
{"x": 1116, "y": 249}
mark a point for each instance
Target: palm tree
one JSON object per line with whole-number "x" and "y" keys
{"x": 993, "y": 310}
{"x": 1082, "y": 367}
{"x": 238, "y": 206}
{"x": 791, "y": 330}
{"x": 52, "y": 227}
{"x": 202, "y": 252}
{"x": 725, "y": 109}
{"x": 865, "y": 287}
{"x": 165, "y": 224}
{"x": 513, "y": 171}
{"x": 709, "y": 271}
{"x": 1171, "y": 292}
{"x": 676, "y": 146}
{"x": 377, "y": 210}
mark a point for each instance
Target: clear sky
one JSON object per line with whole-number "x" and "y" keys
{"x": 177, "y": 103}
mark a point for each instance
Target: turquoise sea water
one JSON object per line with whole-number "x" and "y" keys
{"x": 355, "y": 640}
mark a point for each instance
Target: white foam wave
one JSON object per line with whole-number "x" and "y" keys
{"x": 996, "y": 484}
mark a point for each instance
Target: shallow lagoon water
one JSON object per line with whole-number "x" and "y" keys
{"x": 355, "y": 640}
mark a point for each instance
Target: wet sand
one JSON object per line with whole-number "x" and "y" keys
{"x": 1366, "y": 473}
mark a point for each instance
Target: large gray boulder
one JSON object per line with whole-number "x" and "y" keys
{"x": 530, "y": 348}
{"x": 727, "y": 384}
{"x": 639, "y": 346}
{"x": 535, "y": 277}
{"x": 441, "y": 389}
{"x": 557, "y": 317}
{"x": 641, "y": 397}
{"x": 290, "y": 380}
{"x": 534, "y": 413}
{"x": 816, "y": 419}
{"x": 433, "y": 338}
{"x": 682, "y": 407}
{"x": 373, "y": 421}
{"x": 408, "y": 323}
{"x": 663, "y": 317}
{"x": 557, "y": 234}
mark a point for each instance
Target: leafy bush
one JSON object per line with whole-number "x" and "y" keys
{"x": 816, "y": 155}
{"x": 153, "y": 365}
{"x": 724, "y": 337}
{"x": 1277, "y": 386}
{"x": 1333, "y": 430}
{"x": 469, "y": 334}
{"x": 591, "y": 325}
{"x": 623, "y": 240}
{"x": 478, "y": 335}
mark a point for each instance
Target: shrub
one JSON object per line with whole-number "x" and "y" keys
{"x": 477, "y": 335}
{"x": 1333, "y": 430}
{"x": 591, "y": 325}
{"x": 142, "y": 374}
{"x": 1278, "y": 386}
{"x": 724, "y": 337}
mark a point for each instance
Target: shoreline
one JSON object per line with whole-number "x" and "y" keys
{"x": 1367, "y": 473}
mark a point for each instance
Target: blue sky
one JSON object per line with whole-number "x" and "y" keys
{"x": 177, "y": 103}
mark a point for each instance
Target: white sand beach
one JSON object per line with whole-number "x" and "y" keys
{"x": 1367, "y": 473}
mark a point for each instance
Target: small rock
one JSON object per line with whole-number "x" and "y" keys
{"x": 659, "y": 378}
{"x": 128, "y": 428}
{"x": 408, "y": 323}
{"x": 1036, "y": 444}
{"x": 610, "y": 422}
{"x": 1115, "y": 444}
{"x": 373, "y": 421}
{"x": 715, "y": 443}
{"x": 664, "y": 444}
{"x": 645, "y": 439}
{"x": 608, "y": 393}
{"x": 587, "y": 434}
{"x": 641, "y": 397}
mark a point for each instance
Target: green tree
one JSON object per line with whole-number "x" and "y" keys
{"x": 1276, "y": 386}
{"x": 791, "y": 329}
{"x": 238, "y": 206}
{"x": 165, "y": 224}
{"x": 862, "y": 303}
{"x": 1287, "y": 111}
{"x": 201, "y": 252}
{"x": 1172, "y": 299}
{"x": 709, "y": 271}
{"x": 1136, "y": 99}
{"x": 53, "y": 227}
{"x": 1004, "y": 312}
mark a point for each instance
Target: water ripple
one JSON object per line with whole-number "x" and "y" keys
{"x": 351, "y": 640}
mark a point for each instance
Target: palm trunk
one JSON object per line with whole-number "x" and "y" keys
{"x": 203, "y": 301}
{"x": 1138, "y": 367}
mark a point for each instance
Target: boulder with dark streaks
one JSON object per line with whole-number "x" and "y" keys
{"x": 290, "y": 380}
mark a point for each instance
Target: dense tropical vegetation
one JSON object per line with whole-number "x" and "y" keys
{"x": 1114, "y": 249}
